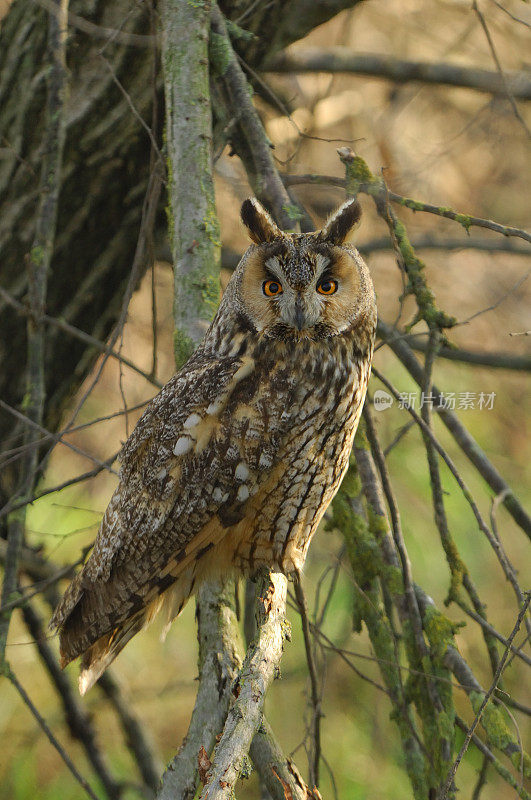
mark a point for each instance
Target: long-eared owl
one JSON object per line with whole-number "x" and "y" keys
{"x": 234, "y": 462}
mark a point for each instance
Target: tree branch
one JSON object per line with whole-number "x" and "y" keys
{"x": 465, "y": 220}
{"x": 496, "y": 360}
{"x": 49, "y": 734}
{"x": 259, "y": 668}
{"x": 430, "y": 241}
{"x": 219, "y": 662}
{"x": 259, "y": 164}
{"x": 342, "y": 59}
{"x": 483, "y": 704}
{"x": 464, "y": 439}
{"x": 78, "y": 720}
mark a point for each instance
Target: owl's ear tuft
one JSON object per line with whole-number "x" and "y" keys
{"x": 340, "y": 228}
{"x": 258, "y": 222}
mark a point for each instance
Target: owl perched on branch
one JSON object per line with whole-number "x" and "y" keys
{"x": 234, "y": 462}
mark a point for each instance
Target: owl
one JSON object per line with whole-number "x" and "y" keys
{"x": 232, "y": 465}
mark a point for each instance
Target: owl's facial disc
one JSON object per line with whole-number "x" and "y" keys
{"x": 300, "y": 285}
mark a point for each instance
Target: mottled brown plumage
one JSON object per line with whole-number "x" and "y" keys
{"x": 234, "y": 462}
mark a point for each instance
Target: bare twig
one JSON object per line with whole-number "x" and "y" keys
{"x": 151, "y": 202}
{"x": 98, "y": 31}
{"x": 429, "y": 241}
{"x": 487, "y": 753}
{"x": 464, "y": 439}
{"x": 77, "y": 719}
{"x": 314, "y": 684}
{"x": 504, "y": 80}
{"x": 262, "y": 171}
{"x": 136, "y": 736}
{"x": 65, "y": 484}
{"x": 82, "y": 336}
{"x": 56, "y": 437}
{"x": 493, "y": 541}
{"x": 496, "y": 360}
{"x": 48, "y": 733}
{"x": 488, "y": 694}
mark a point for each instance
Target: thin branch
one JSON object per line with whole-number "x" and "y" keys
{"x": 41, "y": 586}
{"x": 503, "y": 78}
{"x": 85, "y": 476}
{"x": 149, "y": 211}
{"x": 14, "y": 452}
{"x": 135, "y": 734}
{"x": 463, "y": 438}
{"x": 487, "y": 753}
{"x": 482, "y": 779}
{"x": 48, "y": 733}
{"x": 342, "y": 59}
{"x": 488, "y": 694}
{"x": 485, "y": 624}
{"x": 78, "y": 720}
{"x": 466, "y": 220}
{"x": 493, "y": 541}
{"x": 37, "y": 567}
{"x": 56, "y": 437}
{"x": 495, "y": 360}
{"x": 263, "y": 172}
{"x": 60, "y": 324}
{"x": 429, "y": 241}
{"x": 99, "y": 31}
{"x": 512, "y": 16}
{"x": 314, "y": 683}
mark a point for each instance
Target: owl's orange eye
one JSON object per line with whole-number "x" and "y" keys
{"x": 327, "y": 287}
{"x": 271, "y": 288}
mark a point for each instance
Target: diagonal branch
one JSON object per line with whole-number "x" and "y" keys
{"x": 463, "y": 438}
{"x": 78, "y": 720}
{"x": 486, "y": 698}
{"x": 49, "y": 734}
{"x": 259, "y": 163}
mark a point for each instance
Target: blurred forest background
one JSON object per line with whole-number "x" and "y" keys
{"x": 452, "y": 146}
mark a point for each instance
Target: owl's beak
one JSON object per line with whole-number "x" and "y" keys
{"x": 300, "y": 316}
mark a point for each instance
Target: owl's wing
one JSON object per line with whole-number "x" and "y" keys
{"x": 197, "y": 455}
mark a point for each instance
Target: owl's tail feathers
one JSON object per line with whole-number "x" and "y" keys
{"x": 100, "y": 655}
{"x": 92, "y": 625}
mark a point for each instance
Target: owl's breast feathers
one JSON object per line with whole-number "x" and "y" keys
{"x": 230, "y": 447}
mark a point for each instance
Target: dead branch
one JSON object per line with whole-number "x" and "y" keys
{"x": 341, "y": 59}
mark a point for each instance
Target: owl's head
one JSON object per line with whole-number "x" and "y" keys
{"x": 302, "y": 286}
